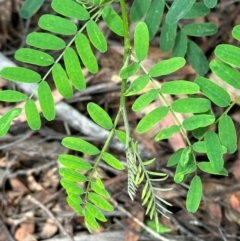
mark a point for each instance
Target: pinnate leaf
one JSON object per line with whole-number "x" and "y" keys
{"x": 32, "y": 115}
{"x": 12, "y": 96}
{"x": 112, "y": 161}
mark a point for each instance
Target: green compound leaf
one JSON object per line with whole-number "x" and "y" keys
{"x": 210, "y": 3}
{"x": 32, "y": 115}
{"x": 33, "y": 56}
{"x": 30, "y": 7}
{"x": 152, "y": 118}
{"x": 76, "y": 207}
{"x": 200, "y": 29}
{"x": 81, "y": 145}
{"x": 200, "y": 147}
{"x": 226, "y": 72}
{"x": 236, "y": 32}
{"x": 113, "y": 20}
{"x": 214, "y": 150}
{"x": 6, "y": 119}
{"x": 58, "y": 25}
{"x": 61, "y": 81}
{"x": 46, "y": 101}
{"x": 138, "y": 84}
{"x": 71, "y": 187}
{"x": 86, "y": 54}
{"x": 191, "y": 105}
{"x": 75, "y": 198}
{"x": 90, "y": 219}
{"x": 175, "y": 158}
{"x": 99, "y": 190}
{"x": 70, "y": 9}
{"x": 99, "y": 115}
{"x": 95, "y": 212}
{"x": 167, "y": 133}
{"x": 197, "y": 10}
{"x": 197, "y": 121}
{"x": 139, "y": 9}
{"x": 167, "y": 66}
{"x": 180, "y": 46}
{"x": 194, "y": 195}
{"x": 100, "y": 202}
{"x": 227, "y": 133}
{"x": 129, "y": 70}
{"x": 207, "y": 167}
{"x": 71, "y": 175}
{"x": 167, "y": 37}
{"x": 12, "y": 96}
{"x": 96, "y": 36}
{"x": 20, "y": 74}
{"x": 197, "y": 58}
{"x": 144, "y": 100}
{"x": 214, "y": 92}
{"x": 45, "y": 41}
{"x": 228, "y": 53}
{"x": 112, "y": 161}
{"x": 178, "y": 9}
{"x": 141, "y": 41}
{"x": 74, "y": 162}
{"x": 178, "y": 87}
{"x": 154, "y": 16}
{"x": 74, "y": 70}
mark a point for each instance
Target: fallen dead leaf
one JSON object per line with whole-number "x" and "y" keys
{"x": 24, "y": 229}
{"x": 49, "y": 229}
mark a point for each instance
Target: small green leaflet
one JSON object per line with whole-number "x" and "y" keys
{"x": 167, "y": 132}
{"x": 45, "y": 41}
{"x": 175, "y": 158}
{"x": 228, "y": 53}
{"x": 99, "y": 190}
{"x": 214, "y": 92}
{"x": 197, "y": 10}
{"x": 185, "y": 156}
{"x": 12, "y": 96}
{"x": 46, "y": 101}
{"x": 90, "y": 219}
{"x": 154, "y": 16}
{"x": 178, "y": 9}
{"x": 20, "y": 74}
{"x": 73, "y": 68}
{"x": 138, "y": 84}
{"x": 112, "y": 161}
{"x": 71, "y": 187}
{"x": 74, "y": 162}
{"x": 141, "y": 41}
{"x": 76, "y": 207}
{"x": 75, "y": 198}
{"x": 182, "y": 172}
{"x": 178, "y": 87}
{"x": 194, "y": 195}
{"x": 210, "y": 3}
{"x": 32, "y": 115}
{"x": 152, "y": 118}
{"x": 191, "y": 105}
{"x": 99, "y": 115}
{"x": 81, "y": 145}
{"x": 214, "y": 150}
{"x": 96, "y": 36}
{"x": 95, "y": 212}
{"x": 86, "y": 54}
{"x": 158, "y": 228}
{"x": 226, "y": 72}
{"x": 58, "y": 24}
{"x": 197, "y": 58}
{"x": 70, "y": 9}
{"x": 200, "y": 29}
{"x": 197, "y": 121}
{"x": 180, "y": 46}
{"x": 71, "y": 175}
{"x": 33, "y": 56}
{"x": 227, "y": 133}
{"x": 144, "y": 100}
{"x": 30, "y": 7}
{"x": 121, "y": 135}
{"x": 167, "y": 37}
{"x": 6, "y": 119}
{"x": 113, "y": 20}
{"x": 167, "y": 66}
{"x": 139, "y": 9}
{"x": 129, "y": 70}
{"x": 206, "y": 167}
{"x": 236, "y": 32}
{"x": 61, "y": 81}
{"x": 200, "y": 147}
{"x": 100, "y": 202}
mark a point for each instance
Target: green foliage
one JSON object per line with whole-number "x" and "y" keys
{"x": 92, "y": 198}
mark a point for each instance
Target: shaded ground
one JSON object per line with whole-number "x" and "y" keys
{"x": 32, "y": 203}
